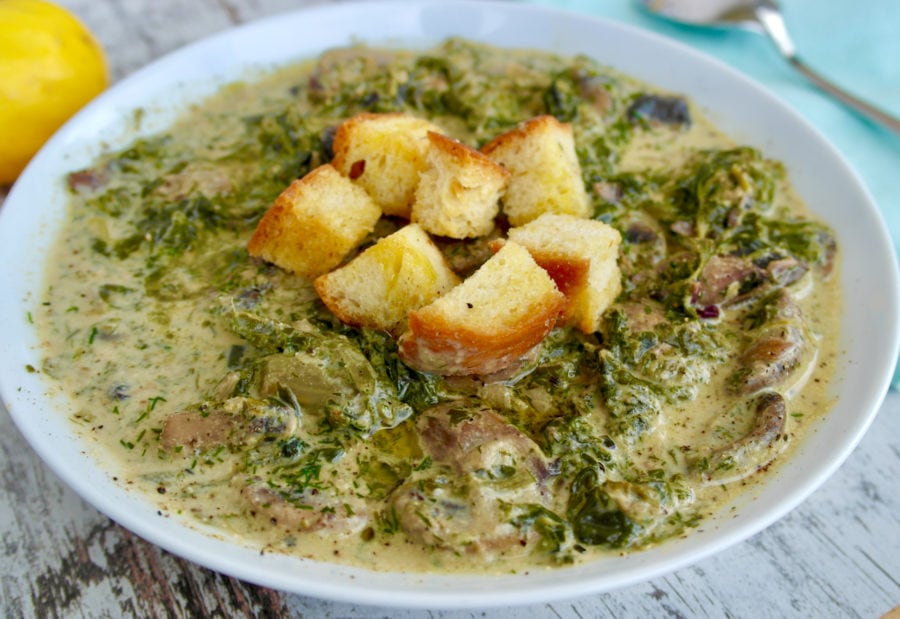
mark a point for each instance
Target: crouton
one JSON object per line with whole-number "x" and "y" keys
{"x": 380, "y": 286}
{"x": 459, "y": 190}
{"x": 488, "y": 322}
{"x": 383, "y": 154}
{"x": 315, "y": 222}
{"x": 581, "y": 256}
{"x": 546, "y": 175}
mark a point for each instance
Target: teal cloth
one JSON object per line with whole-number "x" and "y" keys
{"x": 855, "y": 43}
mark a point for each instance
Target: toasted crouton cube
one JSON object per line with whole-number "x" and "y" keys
{"x": 546, "y": 175}
{"x": 315, "y": 222}
{"x": 488, "y": 322}
{"x": 380, "y": 286}
{"x": 581, "y": 255}
{"x": 459, "y": 190}
{"x": 384, "y": 154}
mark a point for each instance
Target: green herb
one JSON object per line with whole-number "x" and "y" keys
{"x": 596, "y": 519}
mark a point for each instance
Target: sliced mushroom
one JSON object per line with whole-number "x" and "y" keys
{"x": 209, "y": 182}
{"x": 753, "y": 451}
{"x": 234, "y": 421}
{"x": 784, "y": 270}
{"x": 645, "y": 245}
{"x": 769, "y": 360}
{"x": 483, "y": 466}
{"x": 777, "y": 350}
{"x": 198, "y": 430}
{"x": 312, "y": 510}
{"x": 642, "y": 316}
{"x": 724, "y": 279}
{"x": 88, "y": 179}
{"x": 593, "y": 89}
{"x": 440, "y": 512}
{"x": 660, "y": 110}
{"x": 479, "y": 441}
{"x": 334, "y": 372}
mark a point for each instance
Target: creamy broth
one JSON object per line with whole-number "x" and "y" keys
{"x": 710, "y": 366}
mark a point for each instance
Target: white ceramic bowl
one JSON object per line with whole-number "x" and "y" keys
{"x": 31, "y": 218}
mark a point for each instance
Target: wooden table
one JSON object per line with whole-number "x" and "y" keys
{"x": 837, "y": 555}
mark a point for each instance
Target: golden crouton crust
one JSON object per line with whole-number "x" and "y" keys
{"x": 384, "y": 154}
{"x": 314, "y": 223}
{"x": 467, "y": 350}
{"x": 581, "y": 256}
{"x": 459, "y": 190}
{"x": 378, "y": 288}
{"x": 570, "y": 273}
{"x": 546, "y": 174}
{"x": 444, "y": 339}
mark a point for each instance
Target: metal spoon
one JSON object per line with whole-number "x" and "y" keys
{"x": 762, "y": 17}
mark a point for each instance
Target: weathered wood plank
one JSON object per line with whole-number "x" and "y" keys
{"x": 838, "y": 555}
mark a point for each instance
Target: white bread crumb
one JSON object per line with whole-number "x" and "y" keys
{"x": 314, "y": 223}
{"x": 459, "y": 190}
{"x": 581, "y": 255}
{"x": 488, "y": 322}
{"x": 379, "y": 287}
{"x": 546, "y": 174}
{"x": 384, "y": 154}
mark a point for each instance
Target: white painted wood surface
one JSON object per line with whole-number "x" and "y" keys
{"x": 837, "y": 555}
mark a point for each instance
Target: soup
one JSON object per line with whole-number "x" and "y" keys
{"x": 223, "y": 388}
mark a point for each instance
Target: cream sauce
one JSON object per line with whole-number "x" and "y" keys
{"x": 128, "y": 361}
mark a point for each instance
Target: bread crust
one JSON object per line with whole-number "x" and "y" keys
{"x": 379, "y": 287}
{"x": 545, "y": 172}
{"x": 581, "y": 257}
{"x": 448, "y": 347}
{"x": 384, "y": 154}
{"x": 453, "y": 338}
{"x": 314, "y": 223}
{"x": 570, "y": 273}
{"x": 459, "y": 190}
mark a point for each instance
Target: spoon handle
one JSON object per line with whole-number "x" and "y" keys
{"x": 842, "y": 95}
{"x": 773, "y": 23}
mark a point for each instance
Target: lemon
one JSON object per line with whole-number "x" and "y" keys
{"x": 50, "y": 66}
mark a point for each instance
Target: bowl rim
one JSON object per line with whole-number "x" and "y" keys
{"x": 24, "y": 392}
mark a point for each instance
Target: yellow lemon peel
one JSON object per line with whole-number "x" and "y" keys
{"x": 50, "y": 66}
